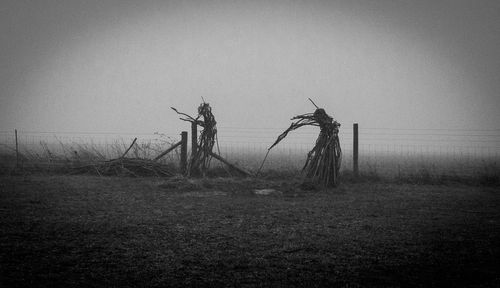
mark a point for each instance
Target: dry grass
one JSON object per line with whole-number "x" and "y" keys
{"x": 91, "y": 158}
{"x": 152, "y": 232}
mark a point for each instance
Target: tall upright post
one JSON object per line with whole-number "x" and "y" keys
{"x": 194, "y": 139}
{"x": 17, "y": 150}
{"x": 355, "y": 146}
{"x": 184, "y": 138}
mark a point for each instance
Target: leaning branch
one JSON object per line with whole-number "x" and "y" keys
{"x": 190, "y": 119}
{"x": 130, "y": 147}
{"x": 168, "y": 150}
{"x": 229, "y": 164}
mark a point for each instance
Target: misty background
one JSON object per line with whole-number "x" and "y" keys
{"x": 408, "y": 70}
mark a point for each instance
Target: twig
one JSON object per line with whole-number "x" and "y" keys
{"x": 313, "y": 103}
{"x": 130, "y": 147}
{"x": 184, "y": 114}
{"x": 263, "y": 161}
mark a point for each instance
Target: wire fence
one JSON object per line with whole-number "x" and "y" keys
{"x": 384, "y": 151}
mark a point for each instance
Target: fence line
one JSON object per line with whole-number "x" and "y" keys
{"x": 382, "y": 150}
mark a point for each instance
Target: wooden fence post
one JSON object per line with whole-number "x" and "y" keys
{"x": 194, "y": 139}
{"x": 17, "y": 150}
{"x": 184, "y": 138}
{"x": 355, "y": 167}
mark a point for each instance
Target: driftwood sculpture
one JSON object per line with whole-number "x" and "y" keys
{"x": 323, "y": 161}
{"x": 200, "y": 160}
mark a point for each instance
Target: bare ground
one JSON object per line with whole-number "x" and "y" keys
{"x": 151, "y": 232}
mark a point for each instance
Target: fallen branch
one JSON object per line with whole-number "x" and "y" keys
{"x": 126, "y": 167}
{"x": 229, "y": 164}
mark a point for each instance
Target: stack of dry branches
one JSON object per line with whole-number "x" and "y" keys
{"x": 200, "y": 161}
{"x": 134, "y": 167}
{"x": 323, "y": 161}
{"x": 122, "y": 166}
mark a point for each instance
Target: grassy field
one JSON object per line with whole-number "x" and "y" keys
{"x": 154, "y": 232}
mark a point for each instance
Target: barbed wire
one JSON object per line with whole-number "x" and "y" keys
{"x": 470, "y": 148}
{"x": 259, "y": 135}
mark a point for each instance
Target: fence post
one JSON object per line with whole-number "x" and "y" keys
{"x": 184, "y": 138}
{"x": 17, "y": 150}
{"x": 194, "y": 139}
{"x": 355, "y": 167}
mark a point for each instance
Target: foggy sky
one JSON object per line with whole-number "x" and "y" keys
{"x": 119, "y": 65}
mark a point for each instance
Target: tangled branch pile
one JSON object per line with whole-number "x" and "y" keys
{"x": 323, "y": 161}
{"x": 134, "y": 167}
{"x": 200, "y": 160}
